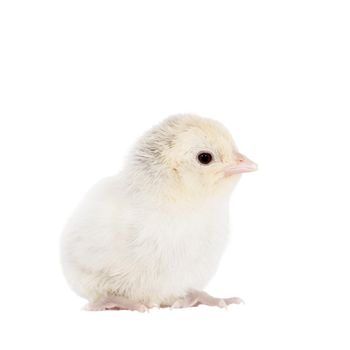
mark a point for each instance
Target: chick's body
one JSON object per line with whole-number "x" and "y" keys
{"x": 156, "y": 231}
{"x": 120, "y": 243}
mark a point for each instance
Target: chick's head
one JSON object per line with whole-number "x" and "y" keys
{"x": 192, "y": 155}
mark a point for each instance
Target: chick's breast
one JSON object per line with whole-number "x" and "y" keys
{"x": 170, "y": 251}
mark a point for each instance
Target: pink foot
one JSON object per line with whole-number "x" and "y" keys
{"x": 114, "y": 302}
{"x": 195, "y": 298}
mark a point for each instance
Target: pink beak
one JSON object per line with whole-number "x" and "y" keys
{"x": 243, "y": 165}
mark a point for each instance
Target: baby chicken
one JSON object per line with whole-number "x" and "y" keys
{"x": 154, "y": 234}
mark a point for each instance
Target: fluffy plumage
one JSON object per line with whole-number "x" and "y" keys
{"x": 154, "y": 234}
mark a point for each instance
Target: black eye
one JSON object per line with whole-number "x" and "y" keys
{"x": 205, "y": 158}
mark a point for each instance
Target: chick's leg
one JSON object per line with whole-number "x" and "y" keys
{"x": 115, "y": 302}
{"x": 195, "y": 298}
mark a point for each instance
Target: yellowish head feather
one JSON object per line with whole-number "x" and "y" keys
{"x": 167, "y": 156}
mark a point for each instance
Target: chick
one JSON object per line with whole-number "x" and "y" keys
{"x": 154, "y": 234}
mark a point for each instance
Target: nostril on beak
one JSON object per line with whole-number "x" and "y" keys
{"x": 240, "y": 158}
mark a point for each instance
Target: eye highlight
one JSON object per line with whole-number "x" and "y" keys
{"x": 204, "y": 158}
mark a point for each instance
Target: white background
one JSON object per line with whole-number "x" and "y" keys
{"x": 80, "y": 80}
